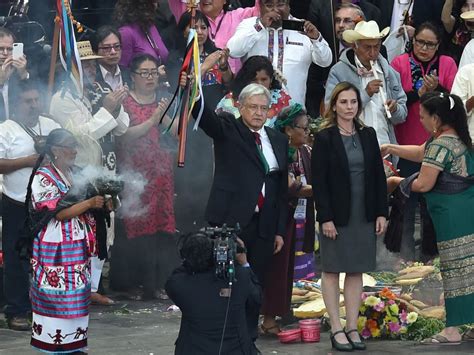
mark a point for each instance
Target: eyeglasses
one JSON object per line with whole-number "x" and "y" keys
{"x": 107, "y": 49}
{"x": 344, "y": 21}
{"x": 270, "y": 5}
{"x": 421, "y": 44}
{"x": 306, "y": 129}
{"x": 147, "y": 74}
{"x": 6, "y": 49}
{"x": 256, "y": 108}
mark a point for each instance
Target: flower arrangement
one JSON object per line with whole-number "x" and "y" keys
{"x": 383, "y": 316}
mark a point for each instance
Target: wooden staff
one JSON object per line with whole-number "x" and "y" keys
{"x": 183, "y": 119}
{"x": 382, "y": 90}
{"x": 54, "y": 55}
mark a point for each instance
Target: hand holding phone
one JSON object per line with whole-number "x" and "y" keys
{"x": 293, "y": 25}
{"x": 17, "y": 51}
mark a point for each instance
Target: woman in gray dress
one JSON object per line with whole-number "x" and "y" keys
{"x": 350, "y": 194}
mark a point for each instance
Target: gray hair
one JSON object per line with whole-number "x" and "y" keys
{"x": 253, "y": 90}
{"x": 358, "y": 10}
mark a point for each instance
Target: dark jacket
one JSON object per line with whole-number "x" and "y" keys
{"x": 204, "y": 310}
{"x": 331, "y": 177}
{"x": 239, "y": 175}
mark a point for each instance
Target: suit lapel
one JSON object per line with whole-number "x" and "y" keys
{"x": 338, "y": 147}
{"x": 249, "y": 145}
{"x": 278, "y": 149}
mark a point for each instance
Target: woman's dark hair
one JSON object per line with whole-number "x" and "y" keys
{"x": 440, "y": 104}
{"x": 139, "y": 59}
{"x": 102, "y": 33}
{"x": 197, "y": 252}
{"x": 431, "y": 27}
{"x": 248, "y": 72}
{"x": 185, "y": 21}
{"x": 135, "y": 12}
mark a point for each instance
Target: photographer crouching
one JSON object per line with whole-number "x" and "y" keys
{"x": 213, "y": 308}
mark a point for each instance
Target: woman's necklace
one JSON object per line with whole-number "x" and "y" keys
{"x": 349, "y": 133}
{"x": 144, "y": 101}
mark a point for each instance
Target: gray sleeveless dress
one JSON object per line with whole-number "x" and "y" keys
{"x": 354, "y": 249}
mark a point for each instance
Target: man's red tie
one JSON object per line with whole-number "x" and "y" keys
{"x": 261, "y": 198}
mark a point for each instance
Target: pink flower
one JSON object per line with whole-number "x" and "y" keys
{"x": 403, "y": 316}
{"x": 53, "y": 279}
{"x": 394, "y": 327}
{"x": 391, "y": 302}
{"x": 379, "y": 306}
{"x": 363, "y": 296}
{"x": 365, "y": 333}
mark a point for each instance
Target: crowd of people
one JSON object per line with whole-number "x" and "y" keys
{"x": 300, "y": 111}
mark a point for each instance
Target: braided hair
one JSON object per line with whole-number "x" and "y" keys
{"x": 450, "y": 110}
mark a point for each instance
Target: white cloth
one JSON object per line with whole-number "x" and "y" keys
{"x": 373, "y": 114}
{"x": 467, "y": 54}
{"x": 299, "y": 51}
{"x": 16, "y": 143}
{"x": 75, "y": 115}
{"x": 114, "y": 80}
{"x": 96, "y": 272}
{"x": 397, "y": 14}
{"x": 463, "y": 86}
{"x": 269, "y": 155}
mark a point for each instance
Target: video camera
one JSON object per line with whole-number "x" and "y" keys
{"x": 226, "y": 247}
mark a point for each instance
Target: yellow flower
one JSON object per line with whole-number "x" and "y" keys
{"x": 361, "y": 323}
{"x": 375, "y": 332}
{"x": 403, "y": 330}
{"x": 412, "y": 317}
{"x": 362, "y": 309}
{"x": 371, "y": 301}
{"x": 394, "y": 309}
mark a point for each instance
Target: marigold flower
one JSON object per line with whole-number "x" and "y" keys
{"x": 386, "y": 293}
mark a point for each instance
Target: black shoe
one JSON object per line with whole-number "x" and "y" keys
{"x": 19, "y": 323}
{"x": 339, "y": 346}
{"x": 356, "y": 345}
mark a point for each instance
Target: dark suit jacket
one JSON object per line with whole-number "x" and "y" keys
{"x": 239, "y": 175}
{"x": 331, "y": 177}
{"x": 197, "y": 295}
{"x": 126, "y": 79}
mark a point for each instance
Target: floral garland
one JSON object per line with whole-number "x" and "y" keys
{"x": 383, "y": 316}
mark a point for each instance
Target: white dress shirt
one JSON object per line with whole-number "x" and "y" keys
{"x": 463, "y": 86}
{"x": 298, "y": 52}
{"x": 114, "y": 80}
{"x": 269, "y": 155}
{"x": 467, "y": 56}
{"x": 16, "y": 143}
{"x": 397, "y": 14}
{"x": 373, "y": 114}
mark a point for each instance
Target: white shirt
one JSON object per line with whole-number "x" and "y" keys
{"x": 463, "y": 86}
{"x": 373, "y": 114}
{"x": 269, "y": 155}
{"x": 16, "y": 143}
{"x": 75, "y": 115}
{"x": 467, "y": 54}
{"x": 397, "y": 14}
{"x": 114, "y": 80}
{"x": 299, "y": 51}
{"x": 5, "y": 100}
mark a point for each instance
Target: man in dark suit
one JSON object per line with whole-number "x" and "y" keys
{"x": 204, "y": 300}
{"x": 250, "y": 179}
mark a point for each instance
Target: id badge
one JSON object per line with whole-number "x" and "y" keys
{"x": 300, "y": 211}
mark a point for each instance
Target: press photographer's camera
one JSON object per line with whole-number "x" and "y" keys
{"x": 226, "y": 247}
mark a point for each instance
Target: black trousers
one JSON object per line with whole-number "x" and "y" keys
{"x": 16, "y": 280}
{"x": 259, "y": 254}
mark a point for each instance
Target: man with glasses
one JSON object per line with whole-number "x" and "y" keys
{"x": 290, "y": 51}
{"x": 11, "y": 70}
{"x": 383, "y": 98}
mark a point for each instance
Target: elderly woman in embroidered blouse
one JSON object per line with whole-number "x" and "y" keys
{"x": 447, "y": 160}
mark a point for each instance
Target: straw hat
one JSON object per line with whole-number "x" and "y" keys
{"x": 85, "y": 51}
{"x": 364, "y": 30}
{"x": 468, "y": 15}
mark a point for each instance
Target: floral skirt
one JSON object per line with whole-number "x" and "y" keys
{"x": 59, "y": 336}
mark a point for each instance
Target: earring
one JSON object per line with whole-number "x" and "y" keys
{"x": 289, "y": 140}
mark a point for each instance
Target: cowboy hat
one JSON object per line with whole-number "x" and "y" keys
{"x": 468, "y": 15}
{"x": 364, "y": 30}
{"x": 85, "y": 51}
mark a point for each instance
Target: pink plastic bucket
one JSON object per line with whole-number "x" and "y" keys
{"x": 290, "y": 336}
{"x": 310, "y": 330}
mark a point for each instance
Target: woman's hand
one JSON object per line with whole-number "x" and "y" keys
{"x": 96, "y": 202}
{"x": 430, "y": 82}
{"x": 392, "y": 183}
{"x": 223, "y": 60}
{"x": 380, "y": 224}
{"x": 210, "y": 61}
{"x": 385, "y": 149}
{"x": 160, "y": 110}
{"x": 329, "y": 230}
